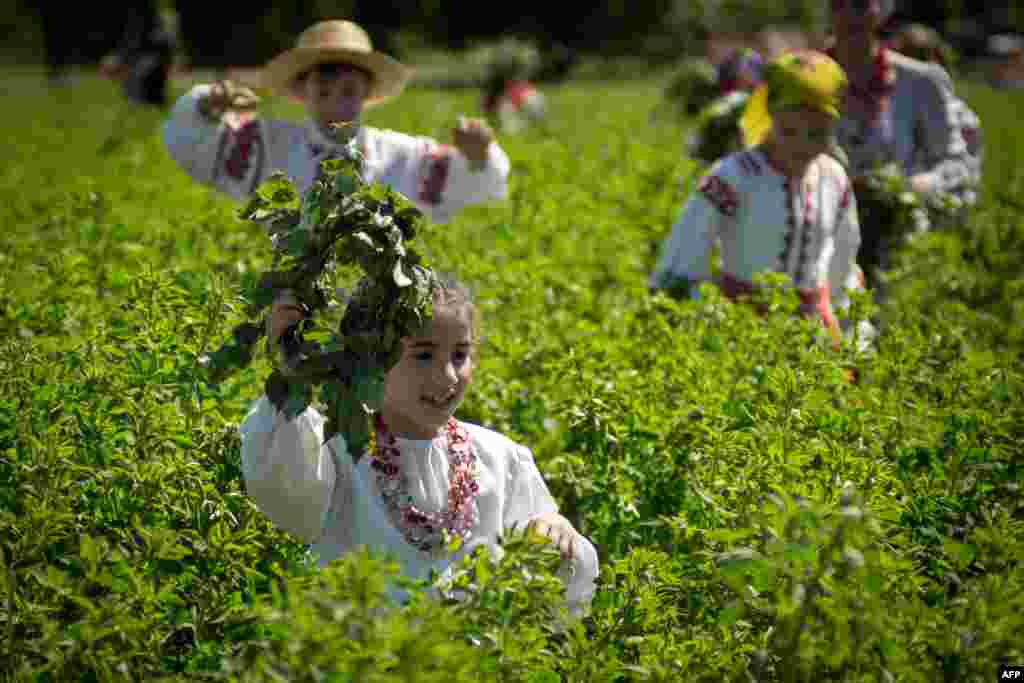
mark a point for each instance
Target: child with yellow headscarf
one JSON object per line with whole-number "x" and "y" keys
{"x": 782, "y": 205}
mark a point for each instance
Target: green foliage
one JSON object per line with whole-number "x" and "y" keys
{"x": 717, "y": 130}
{"x": 339, "y": 221}
{"x": 757, "y": 516}
{"x": 694, "y": 87}
{"x": 891, "y": 212}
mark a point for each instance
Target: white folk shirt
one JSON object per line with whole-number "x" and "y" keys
{"x": 237, "y": 153}
{"x": 316, "y": 492}
{"x": 765, "y": 222}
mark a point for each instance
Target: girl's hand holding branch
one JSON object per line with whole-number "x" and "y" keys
{"x": 285, "y": 312}
{"x": 557, "y": 529}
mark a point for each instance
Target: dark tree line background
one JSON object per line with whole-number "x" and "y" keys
{"x": 236, "y": 33}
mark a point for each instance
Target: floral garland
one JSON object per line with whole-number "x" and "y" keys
{"x": 429, "y": 532}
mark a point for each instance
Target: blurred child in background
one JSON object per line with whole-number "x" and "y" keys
{"x": 335, "y": 73}
{"x": 510, "y": 100}
{"x": 717, "y": 131}
{"x": 783, "y": 205}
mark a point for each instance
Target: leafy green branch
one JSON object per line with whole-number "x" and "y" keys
{"x": 340, "y": 221}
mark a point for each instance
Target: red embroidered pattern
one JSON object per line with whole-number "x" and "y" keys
{"x": 719, "y": 193}
{"x": 246, "y": 140}
{"x": 873, "y": 96}
{"x": 433, "y": 182}
{"x": 844, "y": 201}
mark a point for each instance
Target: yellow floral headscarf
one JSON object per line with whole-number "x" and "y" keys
{"x": 805, "y": 78}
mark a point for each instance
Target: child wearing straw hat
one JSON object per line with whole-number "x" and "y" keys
{"x": 335, "y": 73}
{"x": 781, "y": 205}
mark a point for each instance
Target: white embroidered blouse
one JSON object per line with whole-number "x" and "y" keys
{"x": 237, "y": 153}
{"x": 764, "y": 221}
{"x": 316, "y": 492}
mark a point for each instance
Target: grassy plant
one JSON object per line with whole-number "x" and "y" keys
{"x": 757, "y": 517}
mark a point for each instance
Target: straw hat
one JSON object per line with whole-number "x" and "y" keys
{"x": 337, "y": 41}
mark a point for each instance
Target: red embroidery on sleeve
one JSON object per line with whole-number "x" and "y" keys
{"x": 719, "y": 193}
{"x": 433, "y": 182}
{"x": 245, "y": 141}
{"x": 844, "y": 201}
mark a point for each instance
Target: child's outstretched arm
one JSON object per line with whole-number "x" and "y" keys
{"x": 683, "y": 261}
{"x": 529, "y": 504}
{"x": 213, "y": 143}
{"x": 442, "y": 179}
{"x": 288, "y": 469}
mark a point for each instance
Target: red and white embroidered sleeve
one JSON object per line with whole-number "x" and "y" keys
{"x": 720, "y": 193}
{"x": 434, "y": 175}
{"x": 240, "y": 161}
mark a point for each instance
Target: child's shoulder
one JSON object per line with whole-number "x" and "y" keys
{"x": 489, "y": 438}
{"x": 384, "y": 137}
{"x": 742, "y": 166}
{"x": 829, "y": 168}
{"x": 493, "y": 447}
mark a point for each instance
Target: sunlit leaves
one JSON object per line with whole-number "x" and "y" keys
{"x": 338, "y": 221}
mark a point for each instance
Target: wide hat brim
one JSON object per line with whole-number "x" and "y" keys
{"x": 390, "y": 76}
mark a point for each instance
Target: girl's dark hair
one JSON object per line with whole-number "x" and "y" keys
{"x": 451, "y": 292}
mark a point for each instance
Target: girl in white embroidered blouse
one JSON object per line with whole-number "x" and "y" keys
{"x": 782, "y": 205}
{"x": 429, "y": 477}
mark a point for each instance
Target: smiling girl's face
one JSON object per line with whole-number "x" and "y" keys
{"x": 423, "y": 390}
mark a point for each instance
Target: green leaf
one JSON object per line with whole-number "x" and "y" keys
{"x": 278, "y": 192}
{"x": 295, "y": 242}
{"x": 963, "y": 554}
{"x": 401, "y": 279}
{"x": 369, "y": 388}
{"x": 89, "y": 550}
{"x": 345, "y": 183}
{"x": 730, "y": 615}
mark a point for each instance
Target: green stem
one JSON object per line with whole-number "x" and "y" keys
{"x": 11, "y": 589}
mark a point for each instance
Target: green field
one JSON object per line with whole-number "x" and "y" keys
{"x": 757, "y": 517}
